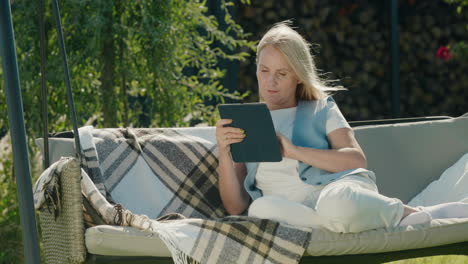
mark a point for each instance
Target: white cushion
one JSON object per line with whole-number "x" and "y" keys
{"x": 126, "y": 241}
{"x": 438, "y": 232}
{"x": 452, "y": 186}
{"x": 406, "y": 157}
{"x": 110, "y": 240}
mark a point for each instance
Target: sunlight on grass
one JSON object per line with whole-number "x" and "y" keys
{"x": 447, "y": 259}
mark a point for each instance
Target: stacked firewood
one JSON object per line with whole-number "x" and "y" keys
{"x": 351, "y": 44}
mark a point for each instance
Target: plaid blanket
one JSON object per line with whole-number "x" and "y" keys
{"x": 159, "y": 172}
{"x": 154, "y": 171}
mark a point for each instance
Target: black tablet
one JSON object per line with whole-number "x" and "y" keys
{"x": 260, "y": 143}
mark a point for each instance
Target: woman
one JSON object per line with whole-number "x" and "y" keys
{"x": 322, "y": 181}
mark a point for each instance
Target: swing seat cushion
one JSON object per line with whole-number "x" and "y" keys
{"x": 127, "y": 241}
{"x": 110, "y": 240}
{"x": 406, "y": 157}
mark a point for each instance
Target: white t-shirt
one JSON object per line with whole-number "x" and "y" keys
{"x": 281, "y": 178}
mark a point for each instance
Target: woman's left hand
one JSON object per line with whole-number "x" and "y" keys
{"x": 287, "y": 148}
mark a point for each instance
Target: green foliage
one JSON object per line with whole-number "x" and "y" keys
{"x": 10, "y": 231}
{"x": 460, "y": 4}
{"x": 128, "y": 59}
{"x": 459, "y": 49}
{"x": 148, "y": 48}
{"x": 160, "y": 56}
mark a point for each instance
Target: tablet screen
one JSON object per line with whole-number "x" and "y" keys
{"x": 260, "y": 143}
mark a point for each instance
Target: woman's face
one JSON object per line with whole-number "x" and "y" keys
{"x": 277, "y": 81}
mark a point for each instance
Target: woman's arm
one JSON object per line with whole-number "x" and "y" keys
{"x": 345, "y": 152}
{"x": 231, "y": 185}
{"x": 231, "y": 175}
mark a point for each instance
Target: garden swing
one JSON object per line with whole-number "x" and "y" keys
{"x": 66, "y": 239}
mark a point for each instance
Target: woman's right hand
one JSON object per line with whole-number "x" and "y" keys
{"x": 231, "y": 175}
{"x": 225, "y": 135}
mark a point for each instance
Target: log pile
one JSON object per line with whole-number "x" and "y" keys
{"x": 352, "y": 44}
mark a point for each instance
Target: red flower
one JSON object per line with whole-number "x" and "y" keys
{"x": 346, "y": 11}
{"x": 343, "y": 11}
{"x": 444, "y": 53}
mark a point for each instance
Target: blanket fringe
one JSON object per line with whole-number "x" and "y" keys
{"x": 118, "y": 215}
{"x": 178, "y": 256}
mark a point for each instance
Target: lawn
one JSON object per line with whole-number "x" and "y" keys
{"x": 445, "y": 259}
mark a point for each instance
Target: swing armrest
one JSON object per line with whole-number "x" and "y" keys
{"x": 63, "y": 236}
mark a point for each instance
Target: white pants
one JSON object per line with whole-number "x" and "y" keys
{"x": 349, "y": 205}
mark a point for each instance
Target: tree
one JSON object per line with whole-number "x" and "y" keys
{"x": 129, "y": 60}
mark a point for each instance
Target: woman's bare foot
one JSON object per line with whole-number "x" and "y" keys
{"x": 412, "y": 216}
{"x": 408, "y": 210}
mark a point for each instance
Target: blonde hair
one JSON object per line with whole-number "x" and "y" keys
{"x": 297, "y": 52}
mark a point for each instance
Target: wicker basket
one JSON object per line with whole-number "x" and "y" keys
{"x": 63, "y": 236}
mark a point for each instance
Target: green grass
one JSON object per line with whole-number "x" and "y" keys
{"x": 445, "y": 259}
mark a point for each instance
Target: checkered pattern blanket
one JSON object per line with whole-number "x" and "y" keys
{"x": 138, "y": 166}
{"x": 175, "y": 172}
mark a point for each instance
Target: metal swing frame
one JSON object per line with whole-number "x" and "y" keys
{"x": 21, "y": 159}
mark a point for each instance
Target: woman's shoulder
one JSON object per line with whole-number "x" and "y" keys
{"x": 320, "y": 104}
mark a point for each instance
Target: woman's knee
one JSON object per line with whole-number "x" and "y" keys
{"x": 279, "y": 209}
{"x": 263, "y": 207}
{"x": 338, "y": 202}
{"x": 341, "y": 209}
{"x": 335, "y": 208}
{"x": 349, "y": 209}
